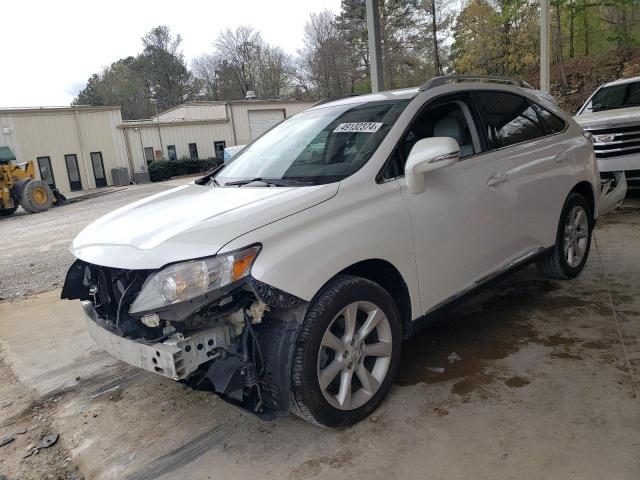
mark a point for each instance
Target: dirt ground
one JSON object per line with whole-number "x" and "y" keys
{"x": 546, "y": 386}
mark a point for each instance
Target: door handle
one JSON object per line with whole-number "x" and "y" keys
{"x": 497, "y": 178}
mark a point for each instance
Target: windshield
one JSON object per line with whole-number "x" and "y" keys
{"x": 616, "y": 96}
{"x": 317, "y": 146}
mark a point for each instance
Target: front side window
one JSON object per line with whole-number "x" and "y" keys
{"x": 317, "y": 146}
{"x": 508, "y": 119}
{"x": 445, "y": 120}
{"x": 615, "y": 96}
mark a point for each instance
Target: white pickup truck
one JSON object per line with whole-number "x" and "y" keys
{"x": 612, "y": 116}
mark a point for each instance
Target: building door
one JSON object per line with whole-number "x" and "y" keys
{"x": 46, "y": 172}
{"x": 75, "y": 183}
{"x": 218, "y": 148}
{"x": 98, "y": 169}
{"x": 262, "y": 120}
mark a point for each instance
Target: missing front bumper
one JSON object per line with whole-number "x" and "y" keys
{"x": 176, "y": 357}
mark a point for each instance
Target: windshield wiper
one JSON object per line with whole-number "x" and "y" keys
{"x": 278, "y": 182}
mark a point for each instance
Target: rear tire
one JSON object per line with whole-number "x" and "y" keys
{"x": 347, "y": 353}
{"x": 36, "y": 196}
{"x": 573, "y": 240}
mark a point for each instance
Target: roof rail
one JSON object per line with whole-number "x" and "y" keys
{"x": 437, "y": 81}
{"x": 334, "y": 98}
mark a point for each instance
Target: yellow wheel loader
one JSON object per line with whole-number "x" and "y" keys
{"x": 19, "y": 186}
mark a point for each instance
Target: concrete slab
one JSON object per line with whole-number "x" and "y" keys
{"x": 547, "y": 387}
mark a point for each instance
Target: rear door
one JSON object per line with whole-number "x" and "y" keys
{"x": 534, "y": 166}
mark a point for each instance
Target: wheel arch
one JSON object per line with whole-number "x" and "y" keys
{"x": 585, "y": 189}
{"x": 388, "y": 277}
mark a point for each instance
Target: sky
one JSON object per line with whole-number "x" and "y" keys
{"x": 50, "y": 48}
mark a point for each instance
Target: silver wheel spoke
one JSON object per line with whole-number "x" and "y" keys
{"x": 328, "y": 374}
{"x": 343, "y": 353}
{"x": 369, "y": 384}
{"x": 331, "y": 341}
{"x": 577, "y": 218}
{"x": 344, "y": 394}
{"x": 370, "y": 324}
{"x": 379, "y": 349}
{"x": 582, "y": 234}
{"x": 570, "y": 257}
{"x": 350, "y": 316}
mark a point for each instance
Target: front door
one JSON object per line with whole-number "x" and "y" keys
{"x": 98, "y": 169}
{"x": 75, "y": 183}
{"x": 459, "y": 221}
{"x": 46, "y": 172}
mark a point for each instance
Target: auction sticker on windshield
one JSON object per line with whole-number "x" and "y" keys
{"x": 358, "y": 127}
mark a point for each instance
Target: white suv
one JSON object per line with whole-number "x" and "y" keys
{"x": 287, "y": 280}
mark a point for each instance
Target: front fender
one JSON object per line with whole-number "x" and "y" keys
{"x": 302, "y": 252}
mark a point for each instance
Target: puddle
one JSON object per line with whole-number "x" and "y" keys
{"x": 516, "y": 382}
{"x": 490, "y": 326}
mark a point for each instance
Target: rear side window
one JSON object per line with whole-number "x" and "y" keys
{"x": 553, "y": 123}
{"x": 507, "y": 119}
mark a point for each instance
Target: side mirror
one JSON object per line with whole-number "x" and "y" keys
{"x": 427, "y": 155}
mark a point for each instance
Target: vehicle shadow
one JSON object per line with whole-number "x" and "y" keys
{"x": 490, "y": 325}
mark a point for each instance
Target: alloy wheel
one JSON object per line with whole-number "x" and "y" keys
{"x": 576, "y": 236}
{"x": 355, "y": 354}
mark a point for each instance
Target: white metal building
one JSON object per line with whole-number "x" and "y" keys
{"x": 74, "y": 148}
{"x": 203, "y": 129}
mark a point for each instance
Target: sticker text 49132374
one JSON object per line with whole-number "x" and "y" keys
{"x": 358, "y": 127}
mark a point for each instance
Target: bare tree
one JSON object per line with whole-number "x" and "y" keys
{"x": 240, "y": 51}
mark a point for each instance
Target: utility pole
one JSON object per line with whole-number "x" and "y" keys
{"x": 434, "y": 23}
{"x": 545, "y": 24}
{"x": 375, "y": 50}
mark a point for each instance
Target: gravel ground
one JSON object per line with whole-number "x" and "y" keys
{"x": 35, "y": 257}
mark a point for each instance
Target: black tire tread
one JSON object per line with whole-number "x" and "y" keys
{"x": 551, "y": 265}
{"x": 319, "y": 304}
{"x": 26, "y": 198}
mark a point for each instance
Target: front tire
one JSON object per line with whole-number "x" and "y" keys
{"x": 347, "y": 353}
{"x": 36, "y": 196}
{"x": 573, "y": 240}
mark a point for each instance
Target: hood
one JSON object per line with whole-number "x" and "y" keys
{"x": 188, "y": 222}
{"x": 618, "y": 117}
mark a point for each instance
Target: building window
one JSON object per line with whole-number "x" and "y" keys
{"x": 46, "y": 171}
{"x": 148, "y": 154}
{"x": 193, "y": 151}
{"x": 218, "y": 148}
{"x": 98, "y": 169}
{"x": 75, "y": 183}
{"x": 171, "y": 152}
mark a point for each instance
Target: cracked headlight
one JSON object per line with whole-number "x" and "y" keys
{"x": 191, "y": 279}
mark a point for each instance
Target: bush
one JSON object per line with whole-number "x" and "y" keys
{"x": 159, "y": 171}
{"x": 163, "y": 170}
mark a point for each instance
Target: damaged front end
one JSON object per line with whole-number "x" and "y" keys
{"x": 234, "y": 338}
